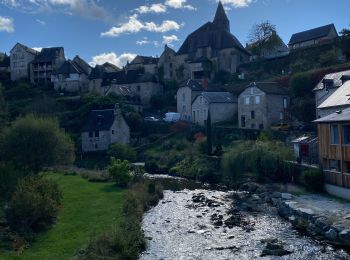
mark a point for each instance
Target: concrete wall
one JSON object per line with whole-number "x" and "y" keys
{"x": 184, "y": 98}
{"x": 338, "y": 191}
{"x": 19, "y": 63}
{"x": 73, "y": 83}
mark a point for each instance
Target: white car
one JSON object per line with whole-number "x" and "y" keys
{"x": 171, "y": 117}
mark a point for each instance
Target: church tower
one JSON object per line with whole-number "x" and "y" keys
{"x": 221, "y": 19}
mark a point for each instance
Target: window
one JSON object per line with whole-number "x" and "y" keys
{"x": 112, "y": 132}
{"x": 200, "y": 100}
{"x": 170, "y": 66}
{"x": 281, "y": 116}
{"x": 138, "y": 88}
{"x": 246, "y": 100}
{"x": 183, "y": 108}
{"x": 285, "y": 103}
{"x": 252, "y": 126}
{"x": 334, "y": 165}
{"x": 97, "y": 133}
{"x": 251, "y": 91}
{"x": 252, "y": 114}
{"x": 346, "y": 134}
{"x": 334, "y": 134}
{"x": 261, "y": 126}
{"x": 183, "y": 97}
{"x": 257, "y": 100}
{"x": 242, "y": 121}
{"x": 91, "y": 134}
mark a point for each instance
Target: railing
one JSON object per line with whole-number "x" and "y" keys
{"x": 337, "y": 178}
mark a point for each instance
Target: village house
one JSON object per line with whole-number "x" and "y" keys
{"x": 210, "y": 48}
{"x": 20, "y": 58}
{"x": 186, "y": 94}
{"x": 47, "y": 62}
{"x": 167, "y": 64}
{"x": 328, "y": 85}
{"x": 334, "y": 151}
{"x": 103, "y": 128}
{"x": 98, "y": 73}
{"x": 144, "y": 63}
{"x": 337, "y": 101}
{"x": 222, "y": 107}
{"x": 263, "y": 104}
{"x": 72, "y": 76}
{"x": 314, "y": 36}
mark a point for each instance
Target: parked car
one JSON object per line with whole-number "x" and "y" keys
{"x": 281, "y": 127}
{"x": 151, "y": 119}
{"x": 171, "y": 117}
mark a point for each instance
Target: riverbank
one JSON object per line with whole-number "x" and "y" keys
{"x": 322, "y": 217}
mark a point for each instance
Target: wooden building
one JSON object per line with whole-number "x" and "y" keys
{"x": 334, "y": 148}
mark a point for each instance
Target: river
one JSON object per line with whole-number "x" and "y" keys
{"x": 188, "y": 224}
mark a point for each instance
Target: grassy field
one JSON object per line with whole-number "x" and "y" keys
{"x": 88, "y": 209}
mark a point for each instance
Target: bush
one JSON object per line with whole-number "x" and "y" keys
{"x": 313, "y": 180}
{"x": 151, "y": 167}
{"x": 122, "y": 152}
{"x": 33, "y": 142}
{"x": 9, "y": 177}
{"x": 120, "y": 172}
{"x": 34, "y": 205}
{"x": 202, "y": 146}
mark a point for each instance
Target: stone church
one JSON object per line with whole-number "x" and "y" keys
{"x": 208, "y": 49}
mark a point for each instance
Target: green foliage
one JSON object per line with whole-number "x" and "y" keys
{"x": 266, "y": 159}
{"x": 9, "y": 177}
{"x": 313, "y": 180}
{"x": 134, "y": 121}
{"x": 122, "y": 152}
{"x": 201, "y": 146}
{"x": 120, "y": 172}
{"x": 180, "y": 72}
{"x": 328, "y": 58}
{"x": 300, "y": 84}
{"x": 151, "y": 167}
{"x": 3, "y": 108}
{"x": 33, "y": 142}
{"x": 34, "y": 205}
{"x": 158, "y": 102}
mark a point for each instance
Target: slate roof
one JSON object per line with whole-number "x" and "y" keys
{"x": 48, "y": 54}
{"x": 195, "y": 85}
{"x": 336, "y": 78}
{"x": 70, "y": 67}
{"x": 219, "y": 97}
{"x": 82, "y": 64}
{"x": 97, "y": 72}
{"x": 339, "y": 116}
{"x": 111, "y": 67}
{"x": 312, "y": 34}
{"x": 99, "y": 120}
{"x": 341, "y": 97}
{"x": 210, "y": 35}
{"x": 145, "y": 60}
{"x": 27, "y": 49}
{"x": 269, "y": 88}
{"x": 129, "y": 77}
{"x": 220, "y": 18}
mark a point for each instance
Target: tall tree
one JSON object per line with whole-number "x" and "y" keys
{"x": 345, "y": 32}
{"x": 263, "y": 38}
{"x": 209, "y": 135}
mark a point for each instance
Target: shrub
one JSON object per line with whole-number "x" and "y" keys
{"x": 9, "y": 177}
{"x": 202, "y": 146}
{"x": 120, "y": 172}
{"x": 34, "y": 205}
{"x": 122, "y": 152}
{"x": 151, "y": 167}
{"x": 313, "y": 180}
{"x": 33, "y": 142}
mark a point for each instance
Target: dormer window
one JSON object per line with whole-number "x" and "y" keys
{"x": 345, "y": 78}
{"x": 328, "y": 83}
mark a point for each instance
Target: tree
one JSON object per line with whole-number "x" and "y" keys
{"x": 120, "y": 172}
{"x": 209, "y": 135}
{"x": 263, "y": 38}
{"x": 345, "y": 32}
{"x": 3, "y": 108}
{"x": 32, "y": 143}
{"x": 122, "y": 152}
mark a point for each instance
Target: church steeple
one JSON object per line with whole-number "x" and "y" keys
{"x": 221, "y": 19}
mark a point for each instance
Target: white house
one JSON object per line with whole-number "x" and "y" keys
{"x": 103, "y": 128}
{"x": 222, "y": 107}
{"x": 20, "y": 58}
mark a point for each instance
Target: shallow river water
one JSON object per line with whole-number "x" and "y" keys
{"x": 177, "y": 228}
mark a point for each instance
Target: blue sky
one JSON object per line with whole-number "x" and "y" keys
{"x": 117, "y": 30}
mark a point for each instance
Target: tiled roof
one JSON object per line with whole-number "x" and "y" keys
{"x": 312, "y": 34}
{"x": 219, "y": 97}
{"x": 339, "y": 116}
{"x": 269, "y": 88}
{"x": 48, "y": 54}
{"x": 336, "y": 78}
{"x": 341, "y": 97}
{"x": 27, "y": 49}
{"x": 145, "y": 60}
{"x": 99, "y": 120}
{"x": 70, "y": 67}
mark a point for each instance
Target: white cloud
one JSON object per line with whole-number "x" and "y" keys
{"x": 179, "y": 4}
{"x": 86, "y": 8}
{"x": 37, "y": 48}
{"x": 113, "y": 58}
{"x": 40, "y": 21}
{"x": 146, "y": 41}
{"x": 237, "y": 3}
{"x": 134, "y": 25}
{"x": 154, "y": 8}
{"x": 6, "y": 24}
{"x": 170, "y": 39}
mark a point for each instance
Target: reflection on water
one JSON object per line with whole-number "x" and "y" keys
{"x": 179, "y": 228}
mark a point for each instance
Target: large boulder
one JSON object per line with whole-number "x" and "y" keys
{"x": 344, "y": 235}
{"x": 331, "y": 234}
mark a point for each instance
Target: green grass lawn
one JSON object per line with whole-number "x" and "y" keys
{"x": 88, "y": 209}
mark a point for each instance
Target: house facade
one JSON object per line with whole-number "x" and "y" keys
{"x": 103, "y": 128}
{"x": 185, "y": 96}
{"x": 313, "y": 37}
{"x": 72, "y": 76}
{"x": 327, "y": 86}
{"x": 20, "y": 58}
{"x": 221, "y": 105}
{"x": 167, "y": 63}
{"x": 334, "y": 151}
{"x": 47, "y": 62}
{"x": 263, "y": 104}
{"x": 339, "y": 100}
{"x": 145, "y": 63}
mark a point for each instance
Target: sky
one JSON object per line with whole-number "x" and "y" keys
{"x": 117, "y": 30}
